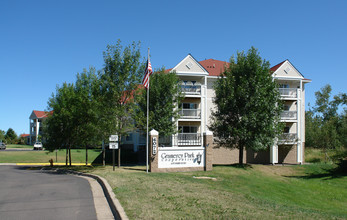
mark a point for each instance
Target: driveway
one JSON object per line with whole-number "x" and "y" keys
{"x": 32, "y": 193}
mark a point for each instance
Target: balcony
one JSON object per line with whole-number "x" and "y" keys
{"x": 289, "y": 115}
{"x": 288, "y": 138}
{"x": 288, "y": 92}
{"x": 191, "y": 89}
{"x": 190, "y": 113}
{"x": 181, "y": 140}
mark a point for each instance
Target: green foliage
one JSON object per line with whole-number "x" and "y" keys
{"x": 59, "y": 127}
{"x": 248, "y": 104}
{"x": 2, "y": 135}
{"x": 164, "y": 97}
{"x": 118, "y": 83}
{"x": 325, "y": 127}
{"x": 11, "y": 136}
{"x": 86, "y": 89}
{"x": 96, "y": 105}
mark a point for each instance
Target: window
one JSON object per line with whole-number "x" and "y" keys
{"x": 189, "y": 105}
{"x": 286, "y": 130}
{"x": 188, "y": 129}
{"x": 284, "y": 85}
{"x": 286, "y": 107}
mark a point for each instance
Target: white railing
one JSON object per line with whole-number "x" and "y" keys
{"x": 190, "y": 113}
{"x": 288, "y": 92}
{"x": 289, "y": 115}
{"x": 288, "y": 138}
{"x": 181, "y": 139}
{"x": 191, "y": 89}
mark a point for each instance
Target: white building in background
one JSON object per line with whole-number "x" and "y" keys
{"x": 198, "y": 79}
{"x": 35, "y": 122}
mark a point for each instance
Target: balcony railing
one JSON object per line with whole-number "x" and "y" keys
{"x": 190, "y": 113}
{"x": 288, "y": 92}
{"x": 191, "y": 89}
{"x": 289, "y": 115}
{"x": 288, "y": 138}
{"x": 181, "y": 140}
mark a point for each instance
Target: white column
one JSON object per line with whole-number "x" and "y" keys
{"x": 274, "y": 153}
{"x": 298, "y": 127}
{"x": 30, "y": 130}
{"x": 37, "y": 129}
{"x": 205, "y": 113}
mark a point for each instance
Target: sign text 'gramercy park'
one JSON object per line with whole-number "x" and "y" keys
{"x": 180, "y": 158}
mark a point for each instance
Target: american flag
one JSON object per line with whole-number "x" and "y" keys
{"x": 148, "y": 73}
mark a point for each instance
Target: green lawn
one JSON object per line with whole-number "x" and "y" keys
{"x": 77, "y": 155}
{"x": 312, "y": 191}
{"x": 19, "y": 146}
{"x": 255, "y": 192}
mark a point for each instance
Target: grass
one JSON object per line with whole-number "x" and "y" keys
{"x": 314, "y": 155}
{"x": 19, "y": 146}
{"x": 78, "y": 156}
{"x": 314, "y": 191}
{"x": 254, "y": 192}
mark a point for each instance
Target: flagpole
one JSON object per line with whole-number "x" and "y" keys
{"x": 147, "y": 117}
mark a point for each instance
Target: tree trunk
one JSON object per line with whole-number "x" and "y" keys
{"x": 70, "y": 155}
{"x": 103, "y": 153}
{"x": 119, "y": 151}
{"x": 87, "y": 155}
{"x": 241, "y": 154}
{"x": 119, "y": 156}
{"x": 66, "y": 155}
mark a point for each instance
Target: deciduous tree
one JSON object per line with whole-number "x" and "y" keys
{"x": 247, "y": 105}
{"x": 11, "y": 136}
{"x": 325, "y": 127}
{"x": 119, "y": 80}
{"x": 165, "y": 98}
{"x": 60, "y": 127}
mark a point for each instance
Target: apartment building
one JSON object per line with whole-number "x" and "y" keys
{"x": 198, "y": 79}
{"x": 35, "y": 125}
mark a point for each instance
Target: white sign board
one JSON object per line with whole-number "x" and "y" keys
{"x": 113, "y": 145}
{"x": 113, "y": 138}
{"x": 154, "y": 145}
{"x": 180, "y": 158}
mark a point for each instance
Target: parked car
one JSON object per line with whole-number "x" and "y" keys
{"x": 2, "y": 146}
{"x": 38, "y": 146}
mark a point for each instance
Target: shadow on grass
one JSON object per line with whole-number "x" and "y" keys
{"x": 128, "y": 158}
{"x": 239, "y": 166}
{"x": 326, "y": 172}
{"x": 134, "y": 168}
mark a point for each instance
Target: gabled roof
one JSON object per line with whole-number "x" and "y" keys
{"x": 24, "y": 135}
{"x": 189, "y": 65}
{"x": 40, "y": 114}
{"x": 278, "y": 66}
{"x": 274, "y": 68}
{"x": 214, "y": 67}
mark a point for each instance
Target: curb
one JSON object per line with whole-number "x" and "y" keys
{"x": 116, "y": 208}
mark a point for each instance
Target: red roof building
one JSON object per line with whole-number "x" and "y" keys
{"x": 214, "y": 67}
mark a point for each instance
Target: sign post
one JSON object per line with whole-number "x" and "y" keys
{"x": 113, "y": 145}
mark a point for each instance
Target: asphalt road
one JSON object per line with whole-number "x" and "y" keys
{"x": 33, "y": 194}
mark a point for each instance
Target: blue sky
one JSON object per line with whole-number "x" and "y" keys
{"x": 46, "y": 43}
